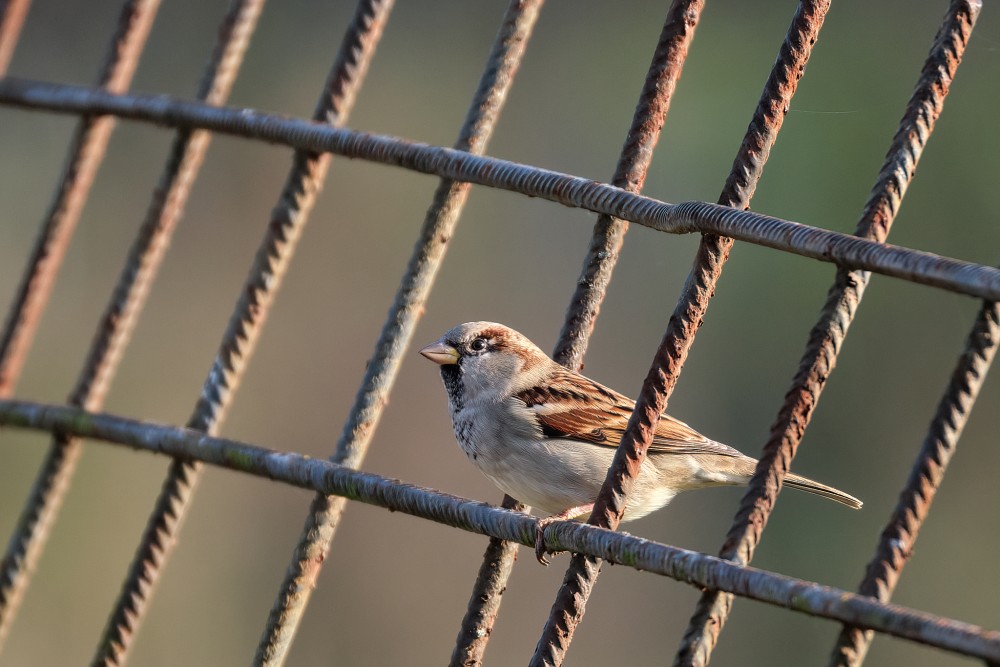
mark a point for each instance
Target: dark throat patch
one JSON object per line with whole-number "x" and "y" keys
{"x": 451, "y": 374}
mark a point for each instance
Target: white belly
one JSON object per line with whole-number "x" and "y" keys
{"x": 555, "y": 475}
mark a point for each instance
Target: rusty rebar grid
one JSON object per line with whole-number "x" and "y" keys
{"x": 896, "y": 542}
{"x": 12, "y": 15}
{"x": 602, "y": 255}
{"x": 578, "y": 582}
{"x": 121, "y": 314}
{"x": 827, "y": 335}
{"x": 84, "y": 159}
{"x": 85, "y": 156}
{"x": 751, "y": 219}
{"x": 429, "y": 251}
{"x": 682, "y": 565}
{"x": 270, "y": 263}
{"x": 845, "y": 250}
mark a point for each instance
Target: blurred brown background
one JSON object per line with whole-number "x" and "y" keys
{"x": 395, "y": 588}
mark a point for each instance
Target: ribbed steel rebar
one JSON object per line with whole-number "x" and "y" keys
{"x": 84, "y": 158}
{"x": 686, "y": 566}
{"x": 599, "y": 262}
{"x": 570, "y": 603}
{"x": 828, "y": 333}
{"x": 121, "y": 313}
{"x": 271, "y": 261}
{"x": 896, "y": 542}
{"x": 436, "y": 232}
{"x": 12, "y": 15}
{"x": 487, "y": 594}
{"x": 684, "y": 218}
{"x": 630, "y": 175}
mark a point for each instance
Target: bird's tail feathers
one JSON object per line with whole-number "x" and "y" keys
{"x": 805, "y": 484}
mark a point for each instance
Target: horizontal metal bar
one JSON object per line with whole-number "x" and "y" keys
{"x": 687, "y": 566}
{"x": 842, "y": 249}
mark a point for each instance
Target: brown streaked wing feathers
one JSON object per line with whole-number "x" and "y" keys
{"x": 573, "y": 406}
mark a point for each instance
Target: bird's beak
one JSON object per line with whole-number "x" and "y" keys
{"x": 440, "y": 353}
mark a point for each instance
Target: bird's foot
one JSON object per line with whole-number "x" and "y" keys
{"x": 543, "y": 523}
{"x": 540, "y": 538}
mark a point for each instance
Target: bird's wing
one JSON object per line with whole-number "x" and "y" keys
{"x": 573, "y": 406}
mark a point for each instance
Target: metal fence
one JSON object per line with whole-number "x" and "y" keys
{"x": 340, "y": 479}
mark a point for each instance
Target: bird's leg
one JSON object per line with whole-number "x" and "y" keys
{"x": 543, "y": 523}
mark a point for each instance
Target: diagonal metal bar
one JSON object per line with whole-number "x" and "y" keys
{"x": 12, "y": 15}
{"x": 845, "y": 250}
{"x": 85, "y": 156}
{"x": 273, "y": 257}
{"x": 487, "y": 594}
{"x": 602, "y": 255}
{"x": 630, "y": 175}
{"x": 827, "y": 335}
{"x": 438, "y": 228}
{"x": 680, "y": 564}
{"x": 895, "y": 545}
{"x": 122, "y": 312}
{"x": 578, "y": 582}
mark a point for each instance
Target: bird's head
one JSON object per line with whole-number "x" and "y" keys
{"x": 486, "y": 361}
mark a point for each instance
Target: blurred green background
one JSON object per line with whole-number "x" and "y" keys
{"x": 394, "y": 588}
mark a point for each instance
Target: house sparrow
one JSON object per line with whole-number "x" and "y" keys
{"x": 546, "y": 435}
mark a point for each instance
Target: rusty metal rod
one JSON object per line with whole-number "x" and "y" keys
{"x": 440, "y": 222}
{"x": 270, "y": 263}
{"x": 648, "y": 119}
{"x": 122, "y": 312}
{"x": 900, "y": 534}
{"x": 599, "y": 262}
{"x": 12, "y": 15}
{"x": 686, "y": 566}
{"x": 84, "y": 158}
{"x": 684, "y": 218}
{"x": 827, "y": 336}
{"x": 487, "y": 594}
{"x": 571, "y": 600}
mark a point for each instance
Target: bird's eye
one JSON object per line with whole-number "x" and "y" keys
{"x": 478, "y": 345}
